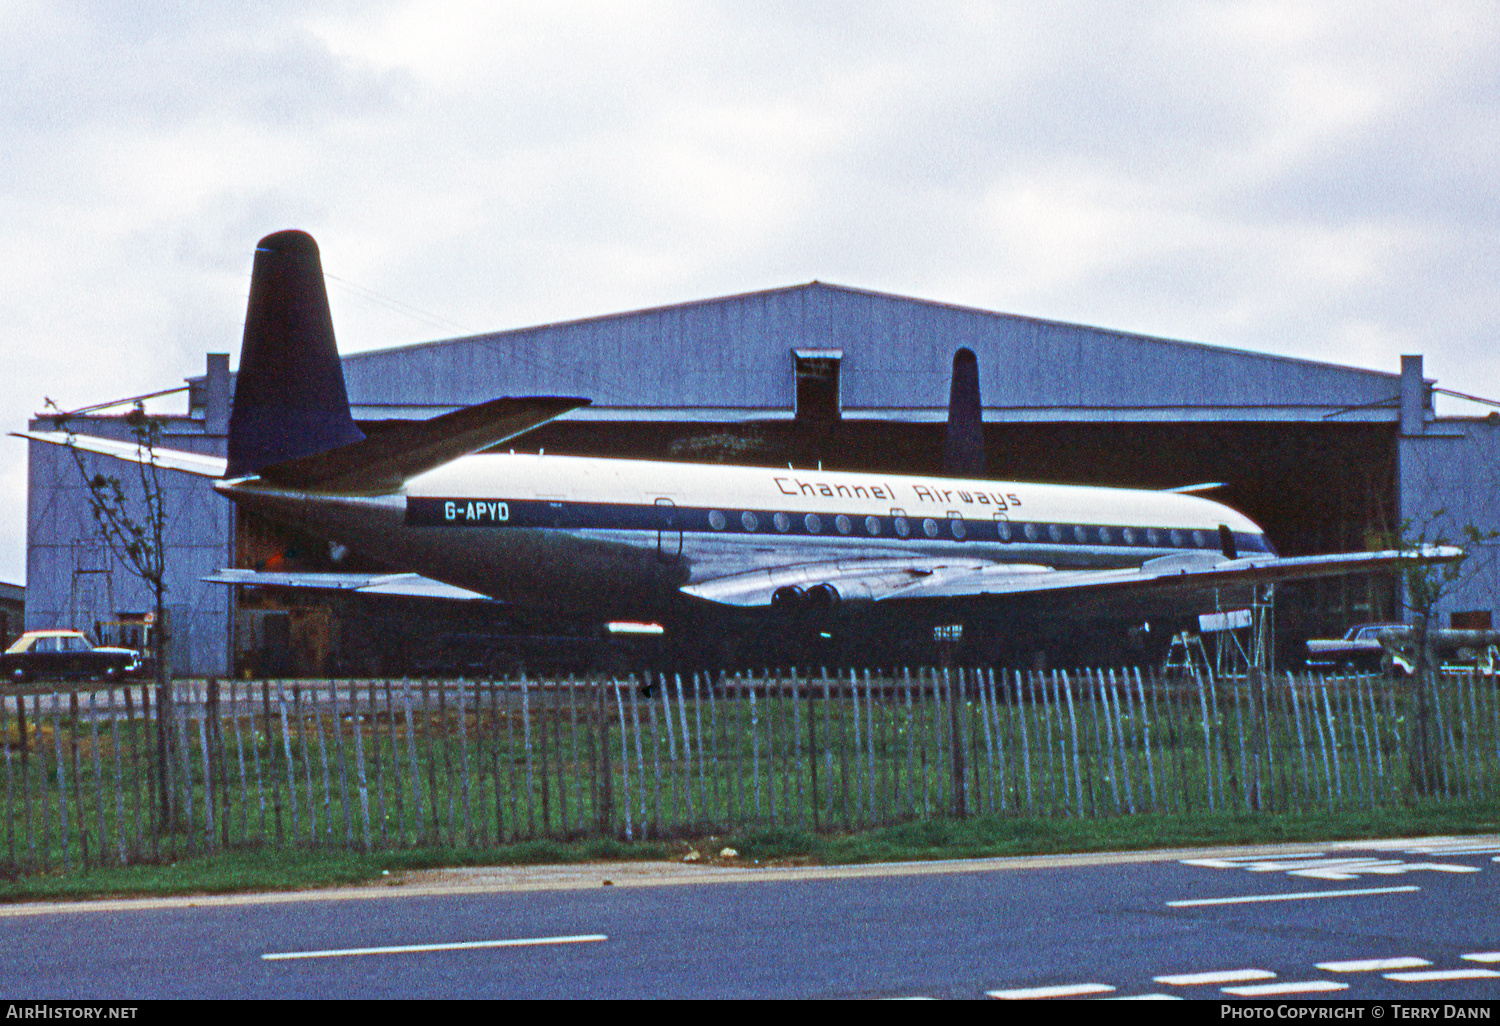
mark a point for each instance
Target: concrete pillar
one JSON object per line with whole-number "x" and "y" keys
{"x": 217, "y": 396}
{"x": 1413, "y": 396}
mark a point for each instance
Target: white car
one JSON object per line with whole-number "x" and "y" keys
{"x": 55, "y": 654}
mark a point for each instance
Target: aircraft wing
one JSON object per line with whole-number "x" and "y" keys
{"x": 408, "y": 585}
{"x": 888, "y": 580}
{"x": 168, "y": 459}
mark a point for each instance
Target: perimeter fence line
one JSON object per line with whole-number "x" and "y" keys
{"x": 92, "y": 777}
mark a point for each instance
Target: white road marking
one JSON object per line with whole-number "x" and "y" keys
{"x": 1306, "y": 895}
{"x": 1370, "y": 965}
{"x": 1066, "y": 990}
{"x": 1319, "y": 867}
{"x": 1300, "y": 987}
{"x": 1224, "y": 976}
{"x": 402, "y": 949}
{"x": 1145, "y": 997}
{"x": 1482, "y": 956}
{"x": 1248, "y": 861}
{"x": 1443, "y": 974}
{"x": 1380, "y": 868}
{"x": 1430, "y": 846}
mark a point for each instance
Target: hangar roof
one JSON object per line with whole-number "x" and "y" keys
{"x": 732, "y": 358}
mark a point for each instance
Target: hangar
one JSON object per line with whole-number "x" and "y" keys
{"x": 1327, "y": 458}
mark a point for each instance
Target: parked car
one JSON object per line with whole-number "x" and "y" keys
{"x": 1359, "y": 649}
{"x": 51, "y": 655}
{"x": 1453, "y": 648}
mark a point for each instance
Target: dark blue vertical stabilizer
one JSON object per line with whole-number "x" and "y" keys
{"x": 963, "y": 450}
{"x": 289, "y": 397}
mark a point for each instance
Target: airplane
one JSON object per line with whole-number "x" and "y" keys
{"x": 695, "y": 550}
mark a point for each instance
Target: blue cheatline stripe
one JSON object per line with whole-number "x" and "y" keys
{"x": 467, "y": 511}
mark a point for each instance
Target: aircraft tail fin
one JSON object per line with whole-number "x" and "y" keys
{"x": 289, "y": 397}
{"x": 963, "y": 450}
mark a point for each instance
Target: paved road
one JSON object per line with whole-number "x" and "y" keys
{"x": 1390, "y": 920}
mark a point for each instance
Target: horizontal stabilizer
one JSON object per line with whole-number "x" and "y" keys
{"x": 407, "y": 585}
{"x": 387, "y": 458}
{"x": 168, "y": 459}
{"x": 1194, "y": 489}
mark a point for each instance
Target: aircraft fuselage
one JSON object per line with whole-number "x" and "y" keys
{"x": 621, "y": 538}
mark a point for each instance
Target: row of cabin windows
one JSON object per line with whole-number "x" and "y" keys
{"x": 958, "y": 529}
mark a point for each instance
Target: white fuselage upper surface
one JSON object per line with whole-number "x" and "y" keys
{"x": 621, "y": 537}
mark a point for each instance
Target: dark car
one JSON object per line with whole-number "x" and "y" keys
{"x": 52, "y": 655}
{"x": 1358, "y": 649}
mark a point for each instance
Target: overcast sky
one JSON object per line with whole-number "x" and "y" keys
{"x": 1313, "y": 179}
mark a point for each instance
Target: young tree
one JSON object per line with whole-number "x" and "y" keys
{"x": 1427, "y": 585}
{"x": 135, "y": 535}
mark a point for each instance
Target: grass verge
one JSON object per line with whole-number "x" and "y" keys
{"x": 979, "y": 837}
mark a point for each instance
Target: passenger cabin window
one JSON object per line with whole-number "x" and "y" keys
{"x": 817, "y": 372}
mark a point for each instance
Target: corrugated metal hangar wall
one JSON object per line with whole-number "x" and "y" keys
{"x": 1320, "y": 455}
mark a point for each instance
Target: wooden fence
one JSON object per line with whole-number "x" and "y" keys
{"x": 384, "y": 764}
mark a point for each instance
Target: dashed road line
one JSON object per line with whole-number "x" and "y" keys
{"x": 1066, "y": 990}
{"x": 401, "y": 949}
{"x": 1341, "y": 867}
{"x": 1444, "y": 974}
{"x": 1303, "y": 896}
{"x": 1223, "y": 976}
{"x": 1370, "y": 965}
{"x": 1482, "y": 956}
{"x": 1288, "y": 987}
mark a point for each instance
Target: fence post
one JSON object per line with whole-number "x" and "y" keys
{"x": 98, "y": 777}
{"x": 364, "y": 787}
{"x": 796, "y": 750}
{"x": 312, "y": 707}
{"x": 713, "y": 733}
{"x": 291, "y": 771}
{"x": 624, "y": 763}
{"x": 463, "y": 756}
{"x": 418, "y": 800}
{"x": 62, "y": 785}
{"x": 1120, "y": 729}
{"x": 120, "y": 832}
{"x": 911, "y": 743}
{"x": 10, "y": 806}
{"x": 687, "y": 748}
{"x": 573, "y": 733}
{"x": 338, "y": 742}
{"x": 1208, "y": 762}
{"x": 703, "y": 806}
{"x": 1067, "y": 687}
{"x": 208, "y": 782}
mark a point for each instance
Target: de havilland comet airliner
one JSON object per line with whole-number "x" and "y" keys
{"x": 687, "y": 545}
